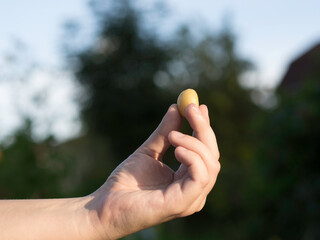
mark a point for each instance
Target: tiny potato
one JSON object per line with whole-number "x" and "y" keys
{"x": 185, "y": 98}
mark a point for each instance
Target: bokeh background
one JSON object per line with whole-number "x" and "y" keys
{"x": 84, "y": 83}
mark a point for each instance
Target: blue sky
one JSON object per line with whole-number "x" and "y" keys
{"x": 270, "y": 33}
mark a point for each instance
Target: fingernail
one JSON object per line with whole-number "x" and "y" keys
{"x": 195, "y": 108}
{"x": 171, "y": 108}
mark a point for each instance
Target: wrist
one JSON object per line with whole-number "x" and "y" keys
{"x": 90, "y": 216}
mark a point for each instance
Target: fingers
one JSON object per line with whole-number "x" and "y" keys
{"x": 189, "y": 191}
{"x": 156, "y": 145}
{"x": 199, "y": 156}
{"x": 196, "y": 206}
{"x": 205, "y": 112}
{"x": 185, "y": 190}
{"x": 193, "y": 161}
{"x": 195, "y": 145}
{"x": 199, "y": 153}
{"x": 198, "y": 119}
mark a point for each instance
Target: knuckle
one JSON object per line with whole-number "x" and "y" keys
{"x": 201, "y": 205}
{"x": 204, "y": 179}
{"x": 218, "y": 155}
{"x": 178, "y": 209}
{"x": 217, "y": 166}
{"x": 199, "y": 209}
{"x": 188, "y": 212}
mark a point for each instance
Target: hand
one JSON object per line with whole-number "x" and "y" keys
{"x": 143, "y": 191}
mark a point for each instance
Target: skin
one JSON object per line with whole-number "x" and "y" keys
{"x": 141, "y": 192}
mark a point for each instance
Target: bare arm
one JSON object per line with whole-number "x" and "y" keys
{"x": 46, "y": 219}
{"x": 141, "y": 192}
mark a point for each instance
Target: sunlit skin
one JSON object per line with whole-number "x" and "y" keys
{"x": 141, "y": 192}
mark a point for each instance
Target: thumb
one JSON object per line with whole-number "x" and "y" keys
{"x": 157, "y": 144}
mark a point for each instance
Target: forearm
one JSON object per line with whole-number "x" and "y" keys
{"x": 46, "y": 219}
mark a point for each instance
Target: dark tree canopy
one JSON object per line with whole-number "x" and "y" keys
{"x": 131, "y": 78}
{"x": 268, "y": 187}
{"x": 123, "y": 102}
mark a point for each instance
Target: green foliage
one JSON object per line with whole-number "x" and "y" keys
{"x": 268, "y": 187}
{"x": 131, "y": 78}
{"x": 288, "y": 200}
{"x": 123, "y": 103}
{"x": 213, "y": 67}
{"x": 31, "y": 170}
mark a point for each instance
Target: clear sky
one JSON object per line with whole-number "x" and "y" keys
{"x": 271, "y": 33}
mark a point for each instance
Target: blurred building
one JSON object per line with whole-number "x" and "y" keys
{"x": 304, "y": 68}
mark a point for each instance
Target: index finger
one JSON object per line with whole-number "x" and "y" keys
{"x": 201, "y": 127}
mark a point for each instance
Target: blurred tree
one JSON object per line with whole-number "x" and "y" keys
{"x": 122, "y": 101}
{"x": 30, "y": 165}
{"x": 30, "y": 169}
{"x": 130, "y": 78}
{"x": 213, "y": 67}
{"x": 287, "y": 196}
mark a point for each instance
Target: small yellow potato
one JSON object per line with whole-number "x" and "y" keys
{"x": 185, "y": 98}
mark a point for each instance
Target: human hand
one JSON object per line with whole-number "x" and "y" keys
{"x": 143, "y": 191}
